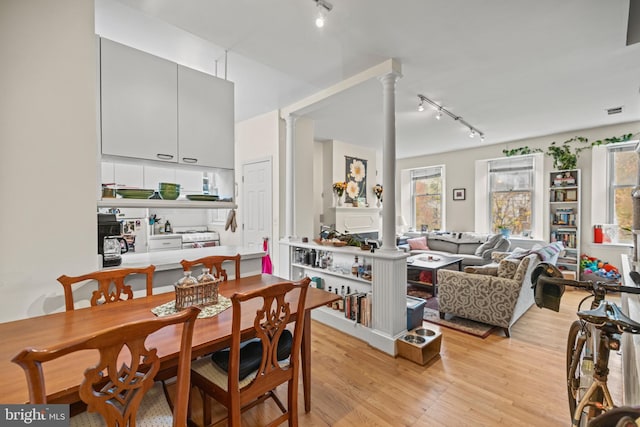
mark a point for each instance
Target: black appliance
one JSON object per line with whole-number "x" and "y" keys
{"x": 108, "y": 226}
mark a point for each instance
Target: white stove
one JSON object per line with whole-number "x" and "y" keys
{"x": 197, "y": 238}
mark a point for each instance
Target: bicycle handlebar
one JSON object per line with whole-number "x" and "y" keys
{"x": 588, "y": 285}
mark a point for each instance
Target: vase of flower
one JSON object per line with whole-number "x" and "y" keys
{"x": 377, "y": 190}
{"x": 338, "y": 191}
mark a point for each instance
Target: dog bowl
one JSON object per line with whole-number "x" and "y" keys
{"x": 424, "y": 332}
{"x": 414, "y": 339}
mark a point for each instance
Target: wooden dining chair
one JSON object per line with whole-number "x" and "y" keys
{"x": 273, "y": 314}
{"x": 111, "y": 285}
{"x": 120, "y": 390}
{"x": 214, "y": 264}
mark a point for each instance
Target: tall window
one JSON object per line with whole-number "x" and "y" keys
{"x": 511, "y": 190}
{"x": 623, "y": 173}
{"x": 426, "y": 197}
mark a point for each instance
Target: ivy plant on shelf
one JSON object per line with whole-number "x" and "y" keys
{"x": 565, "y": 155}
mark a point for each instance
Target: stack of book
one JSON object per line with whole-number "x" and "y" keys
{"x": 357, "y": 307}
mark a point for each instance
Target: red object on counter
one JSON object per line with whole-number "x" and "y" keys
{"x": 597, "y": 234}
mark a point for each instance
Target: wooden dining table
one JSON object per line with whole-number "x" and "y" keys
{"x": 64, "y": 375}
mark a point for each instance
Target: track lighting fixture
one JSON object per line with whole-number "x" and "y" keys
{"x": 323, "y": 7}
{"x": 473, "y": 131}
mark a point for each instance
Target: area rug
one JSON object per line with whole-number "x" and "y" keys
{"x": 470, "y": 327}
{"x": 432, "y": 315}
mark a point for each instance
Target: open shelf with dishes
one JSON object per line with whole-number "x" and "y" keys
{"x": 159, "y": 203}
{"x": 564, "y": 216}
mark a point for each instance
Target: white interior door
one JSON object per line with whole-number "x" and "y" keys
{"x": 257, "y": 202}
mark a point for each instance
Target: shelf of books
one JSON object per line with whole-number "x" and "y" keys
{"x": 564, "y": 216}
{"x": 344, "y": 272}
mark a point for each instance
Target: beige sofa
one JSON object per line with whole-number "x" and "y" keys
{"x": 497, "y": 294}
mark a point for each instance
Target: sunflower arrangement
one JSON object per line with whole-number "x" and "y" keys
{"x": 377, "y": 190}
{"x": 339, "y": 187}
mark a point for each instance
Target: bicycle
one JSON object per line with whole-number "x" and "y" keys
{"x": 591, "y": 338}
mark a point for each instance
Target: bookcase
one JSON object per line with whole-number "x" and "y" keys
{"x": 374, "y": 306}
{"x": 564, "y": 217}
{"x": 333, "y": 269}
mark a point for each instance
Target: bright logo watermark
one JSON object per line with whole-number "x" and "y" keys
{"x": 34, "y": 415}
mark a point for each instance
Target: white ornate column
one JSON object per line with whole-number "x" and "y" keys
{"x": 390, "y": 267}
{"x": 389, "y": 161}
{"x": 289, "y": 177}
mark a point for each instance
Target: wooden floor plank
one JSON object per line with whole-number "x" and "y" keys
{"x": 496, "y": 381}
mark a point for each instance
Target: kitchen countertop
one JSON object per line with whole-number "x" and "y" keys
{"x": 170, "y": 260}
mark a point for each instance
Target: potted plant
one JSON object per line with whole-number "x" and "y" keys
{"x": 563, "y": 156}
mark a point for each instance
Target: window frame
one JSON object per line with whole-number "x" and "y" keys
{"x": 611, "y": 185}
{"x": 506, "y": 164}
{"x": 412, "y": 179}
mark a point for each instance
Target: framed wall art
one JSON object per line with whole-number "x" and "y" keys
{"x": 459, "y": 194}
{"x": 356, "y": 179}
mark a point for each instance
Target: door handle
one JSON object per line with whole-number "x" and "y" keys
{"x": 164, "y": 156}
{"x": 189, "y": 160}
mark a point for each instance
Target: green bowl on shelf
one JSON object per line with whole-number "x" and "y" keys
{"x": 169, "y": 194}
{"x": 134, "y": 193}
{"x": 169, "y": 191}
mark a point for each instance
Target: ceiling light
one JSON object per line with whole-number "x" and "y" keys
{"x": 440, "y": 109}
{"x": 323, "y": 7}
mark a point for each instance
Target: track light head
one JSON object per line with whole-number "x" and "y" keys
{"x": 421, "y": 106}
{"x": 323, "y": 7}
{"x": 472, "y": 133}
{"x": 439, "y": 114}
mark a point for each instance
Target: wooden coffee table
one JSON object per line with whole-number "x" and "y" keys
{"x": 431, "y": 263}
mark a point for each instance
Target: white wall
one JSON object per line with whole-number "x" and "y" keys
{"x": 303, "y": 185}
{"x": 48, "y": 151}
{"x": 460, "y": 170}
{"x": 258, "y": 139}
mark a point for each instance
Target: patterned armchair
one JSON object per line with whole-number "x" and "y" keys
{"x": 497, "y": 294}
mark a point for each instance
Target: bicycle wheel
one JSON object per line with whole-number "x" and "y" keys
{"x": 575, "y": 349}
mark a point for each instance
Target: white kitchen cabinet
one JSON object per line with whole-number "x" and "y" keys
{"x": 205, "y": 119}
{"x": 138, "y": 104}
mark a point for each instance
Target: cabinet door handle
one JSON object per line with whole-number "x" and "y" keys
{"x": 164, "y": 156}
{"x": 189, "y": 160}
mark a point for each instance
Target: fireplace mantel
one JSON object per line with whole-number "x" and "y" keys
{"x": 354, "y": 220}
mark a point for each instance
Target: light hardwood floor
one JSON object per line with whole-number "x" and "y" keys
{"x": 496, "y": 381}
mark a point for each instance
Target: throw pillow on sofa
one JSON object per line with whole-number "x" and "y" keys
{"x": 508, "y": 267}
{"x": 418, "y": 243}
{"x": 489, "y": 244}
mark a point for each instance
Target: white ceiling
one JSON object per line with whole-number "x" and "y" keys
{"x": 513, "y": 69}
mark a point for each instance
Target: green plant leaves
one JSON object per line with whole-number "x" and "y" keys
{"x": 565, "y": 155}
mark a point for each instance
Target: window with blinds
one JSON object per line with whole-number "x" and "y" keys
{"x": 426, "y": 198}
{"x": 623, "y": 173}
{"x": 511, "y": 191}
